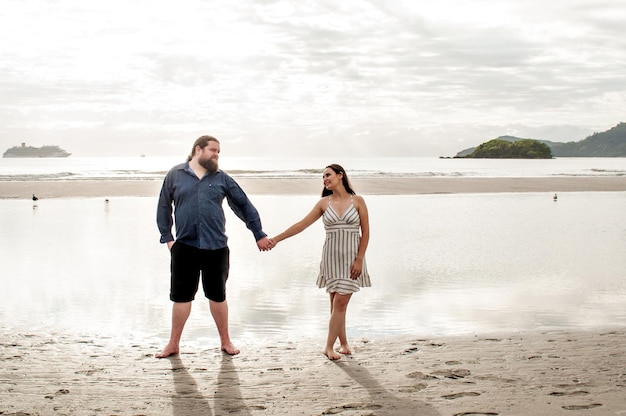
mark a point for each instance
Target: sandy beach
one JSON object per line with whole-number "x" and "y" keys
{"x": 281, "y": 186}
{"x": 550, "y": 373}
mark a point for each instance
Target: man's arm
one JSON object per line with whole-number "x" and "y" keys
{"x": 164, "y": 212}
{"x": 239, "y": 202}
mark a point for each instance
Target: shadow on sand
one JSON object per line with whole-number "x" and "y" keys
{"x": 382, "y": 401}
{"x": 228, "y": 397}
{"x": 189, "y": 401}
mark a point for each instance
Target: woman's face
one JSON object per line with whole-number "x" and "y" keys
{"x": 331, "y": 179}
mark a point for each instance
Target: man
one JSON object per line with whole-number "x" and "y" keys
{"x": 197, "y": 189}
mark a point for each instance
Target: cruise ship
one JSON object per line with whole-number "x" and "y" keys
{"x": 29, "y": 151}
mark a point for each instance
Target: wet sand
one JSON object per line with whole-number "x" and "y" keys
{"x": 281, "y": 186}
{"x": 548, "y": 373}
{"x": 536, "y": 373}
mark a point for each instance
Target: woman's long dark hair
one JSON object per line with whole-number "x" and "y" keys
{"x": 344, "y": 179}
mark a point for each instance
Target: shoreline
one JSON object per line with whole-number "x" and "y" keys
{"x": 547, "y": 373}
{"x": 310, "y": 186}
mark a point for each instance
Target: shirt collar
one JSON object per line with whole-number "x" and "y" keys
{"x": 185, "y": 167}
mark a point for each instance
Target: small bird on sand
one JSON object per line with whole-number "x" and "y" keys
{"x": 35, "y": 198}
{"x": 554, "y": 197}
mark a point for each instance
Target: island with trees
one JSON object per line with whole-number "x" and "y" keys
{"x": 519, "y": 149}
{"x": 610, "y": 143}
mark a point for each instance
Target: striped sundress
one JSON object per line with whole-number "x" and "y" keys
{"x": 340, "y": 249}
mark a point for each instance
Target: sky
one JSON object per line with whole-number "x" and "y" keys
{"x": 291, "y": 78}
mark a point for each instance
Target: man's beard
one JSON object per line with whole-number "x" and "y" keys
{"x": 208, "y": 164}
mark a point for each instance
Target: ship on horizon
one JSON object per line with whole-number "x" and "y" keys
{"x": 30, "y": 151}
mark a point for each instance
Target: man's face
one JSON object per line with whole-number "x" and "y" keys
{"x": 209, "y": 156}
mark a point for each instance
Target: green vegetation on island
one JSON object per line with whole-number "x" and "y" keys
{"x": 610, "y": 143}
{"x": 520, "y": 149}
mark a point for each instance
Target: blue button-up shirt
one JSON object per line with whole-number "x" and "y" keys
{"x": 197, "y": 208}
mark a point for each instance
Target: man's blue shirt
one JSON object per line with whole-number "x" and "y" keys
{"x": 197, "y": 208}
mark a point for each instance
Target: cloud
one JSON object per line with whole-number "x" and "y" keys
{"x": 309, "y": 75}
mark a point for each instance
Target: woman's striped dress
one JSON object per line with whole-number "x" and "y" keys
{"x": 340, "y": 249}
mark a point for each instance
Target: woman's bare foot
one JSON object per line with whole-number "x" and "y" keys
{"x": 345, "y": 349}
{"x": 168, "y": 350}
{"x": 331, "y": 354}
{"x": 230, "y": 349}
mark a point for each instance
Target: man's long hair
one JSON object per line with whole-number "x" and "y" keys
{"x": 202, "y": 141}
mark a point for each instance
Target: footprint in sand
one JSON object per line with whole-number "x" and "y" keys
{"x": 581, "y": 406}
{"x": 411, "y": 350}
{"x": 350, "y": 407}
{"x": 413, "y": 389}
{"x": 453, "y": 374}
{"x": 58, "y": 393}
{"x": 420, "y": 376}
{"x": 91, "y": 371}
{"x": 459, "y": 395}
{"x": 477, "y": 414}
{"x": 569, "y": 393}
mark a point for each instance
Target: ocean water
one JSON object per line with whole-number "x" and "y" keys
{"x": 440, "y": 265}
{"x": 75, "y": 168}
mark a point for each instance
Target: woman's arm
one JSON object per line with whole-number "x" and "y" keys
{"x": 303, "y": 224}
{"x": 357, "y": 266}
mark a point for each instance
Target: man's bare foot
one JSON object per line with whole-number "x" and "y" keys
{"x": 331, "y": 354}
{"x": 345, "y": 349}
{"x": 168, "y": 350}
{"x": 230, "y": 349}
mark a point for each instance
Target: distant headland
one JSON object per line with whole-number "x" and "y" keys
{"x": 610, "y": 143}
{"x": 30, "y": 151}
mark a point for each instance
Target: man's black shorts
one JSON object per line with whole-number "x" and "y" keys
{"x": 186, "y": 264}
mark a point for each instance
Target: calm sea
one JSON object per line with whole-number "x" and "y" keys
{"x": 440, "y": 264}
{"x": 76, "y": 168}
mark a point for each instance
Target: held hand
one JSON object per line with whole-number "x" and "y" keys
{"x": 265, "y": 244}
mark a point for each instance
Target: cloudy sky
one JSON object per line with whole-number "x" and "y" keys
{"x": 289, "y": 78}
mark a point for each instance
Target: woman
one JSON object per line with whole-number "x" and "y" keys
{"x": 342, "y": 270}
